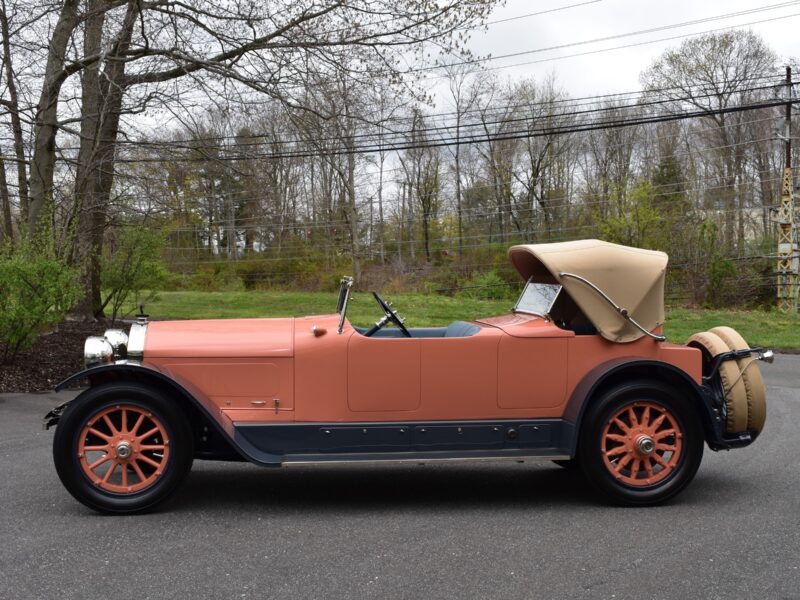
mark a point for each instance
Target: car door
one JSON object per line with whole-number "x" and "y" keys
{"x": 459, "y": 376}
{"x": 532, "y": 372}
{"x": 383, "y": 376}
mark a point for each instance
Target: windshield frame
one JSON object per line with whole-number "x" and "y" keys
{"x": 546, "y": 314}
{"x": 345, "y": 284}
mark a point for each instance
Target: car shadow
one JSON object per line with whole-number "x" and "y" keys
{"x": 392, "y": 487}
{"x": 384, "y": 487}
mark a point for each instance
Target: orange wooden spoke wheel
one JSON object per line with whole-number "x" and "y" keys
{"x": 123, "y": 449}
{"x": 641, "y": 443}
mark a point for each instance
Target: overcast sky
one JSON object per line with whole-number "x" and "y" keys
{"x": 618, "y": 70}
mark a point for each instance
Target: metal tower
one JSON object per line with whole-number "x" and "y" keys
{"x": 788, "y": 262}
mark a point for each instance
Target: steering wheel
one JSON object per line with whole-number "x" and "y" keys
{"x": 389, "y": 314}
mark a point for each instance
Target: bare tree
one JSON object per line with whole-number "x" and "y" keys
{"x": 264, "y": 47}
{"x": 464, "y": 94}
{"x": 712, "y": 72}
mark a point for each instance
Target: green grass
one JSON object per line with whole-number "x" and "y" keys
{"x": 768, "y": 329}
{"x": 420, "y": 310}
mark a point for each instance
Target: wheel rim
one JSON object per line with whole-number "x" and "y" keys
{"x": 123, "y": 449}
{"x": 641, "y": 444}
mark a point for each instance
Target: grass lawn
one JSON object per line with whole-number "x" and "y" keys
{"x": 768, "y": 329}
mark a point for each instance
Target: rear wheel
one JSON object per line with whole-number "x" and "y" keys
{"x": 122, "y": 448}
{"x": 641, "y": 443}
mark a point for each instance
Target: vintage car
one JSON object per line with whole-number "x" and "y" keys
{"x": 579, "y": 373}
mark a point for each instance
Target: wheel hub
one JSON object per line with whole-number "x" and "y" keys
{"x": 645, "y": 445}
{"x": 123, "y": 450}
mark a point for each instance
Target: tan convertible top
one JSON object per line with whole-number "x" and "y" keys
{"x": 631, "y": 277}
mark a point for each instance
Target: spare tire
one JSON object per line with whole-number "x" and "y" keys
{"x": 751, "y": 376}
{"x": 730, "y": 376}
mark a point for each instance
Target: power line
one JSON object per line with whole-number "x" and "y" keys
{"x": 633, "y": 45}
{"x": 699, "y": 91}
{"x": 476, "y": 139}
{"x": 389, "y": 171}
{"x": 615, "y": 37}
{"x": 382, "y": 137}
{"x": 534, "y": 14}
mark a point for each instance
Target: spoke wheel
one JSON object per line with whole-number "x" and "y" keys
{"x": 123, "y": 449}
{"x": 641, "y": 444}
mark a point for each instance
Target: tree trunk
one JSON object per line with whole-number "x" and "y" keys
{"x": 16, "y": 123}
{"x": 352, "y": 209}
{"x": 86, "y": 184}
{"x": 103, "y": 91}
{"x": 5, "y": 203}
{"x": 382, "y": 160}
{"x": 46, "y": 118}
{"x": 458, "y": 186}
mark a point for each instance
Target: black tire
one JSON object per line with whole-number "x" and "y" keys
{"x": 645, "y": 482}
{"x": 159, "y": 472}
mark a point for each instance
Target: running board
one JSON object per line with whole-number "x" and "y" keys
{"x": 275, "y": 444}
{"x": 391, "y": 460}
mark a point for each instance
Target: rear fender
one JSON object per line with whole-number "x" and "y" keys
{"x": 182, "y": 391}
{"x": 615, "y": 371}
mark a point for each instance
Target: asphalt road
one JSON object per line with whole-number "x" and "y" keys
{"x": 492, "y": 530}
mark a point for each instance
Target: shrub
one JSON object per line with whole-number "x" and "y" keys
{"x": 130, "y": 265}
{"x": 215, "y": 276}
{"x": 37, "y": 290}
{"x": 488, "y": 286}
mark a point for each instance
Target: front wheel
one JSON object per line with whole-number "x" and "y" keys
{"x": 641, "y": 443}
{"x": 122, "y": 448}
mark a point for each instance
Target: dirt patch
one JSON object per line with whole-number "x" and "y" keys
{"x": 54, "y": 357}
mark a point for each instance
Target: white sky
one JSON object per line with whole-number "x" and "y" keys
{"x": 618, "y": 70}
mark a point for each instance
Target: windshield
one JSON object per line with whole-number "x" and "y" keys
{"x": 537, "y": 298}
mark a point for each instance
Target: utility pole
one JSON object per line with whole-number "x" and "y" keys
{"x": 788, "y": 263}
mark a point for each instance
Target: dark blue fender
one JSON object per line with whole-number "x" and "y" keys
{"x": 183, "y": 390}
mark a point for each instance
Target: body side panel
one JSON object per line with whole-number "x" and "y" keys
{"x": 490, "y": 375}
{"x": 532, "y": 373}
{"x": 257, "y": 385}
{"x": 320, "y": 369}
{"x": 589, "y": 351}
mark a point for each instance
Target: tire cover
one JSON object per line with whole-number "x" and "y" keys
{"x": 751, "y": 375}
{"x": 732, "y": 384}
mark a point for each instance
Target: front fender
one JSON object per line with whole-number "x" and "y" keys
{"x": 126, "y": 370}
{"x": 182, "y": 390}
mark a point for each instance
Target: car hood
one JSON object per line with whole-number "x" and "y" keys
{"x": 250, "y": 338}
